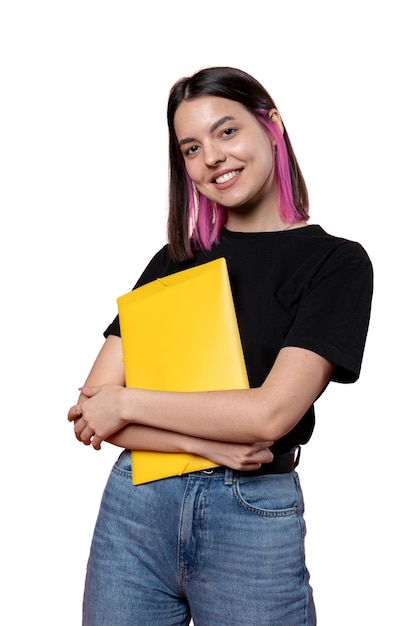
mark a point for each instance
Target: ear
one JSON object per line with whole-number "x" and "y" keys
{"x": 275, "y": 117}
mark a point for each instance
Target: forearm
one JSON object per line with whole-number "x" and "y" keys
{"x": 237, "y": 456}
{"x": 228, "y": 416}
{"x": 138, "y": 437}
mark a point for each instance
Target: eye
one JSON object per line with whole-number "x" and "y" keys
{"x": 190, "y": 151}
{"x": 228, "y": 132}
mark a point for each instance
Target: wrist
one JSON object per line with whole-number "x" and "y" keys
{"x": 126, "y": 405}
{"x": 192, "y": 445}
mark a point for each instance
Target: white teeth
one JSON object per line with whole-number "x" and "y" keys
{"x": 226, "y": 177}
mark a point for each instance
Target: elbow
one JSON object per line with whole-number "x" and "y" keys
{"x": 272, "y": 431}
{"x": 275, "y": 416}
{"x": 276, "y": 422}
{"x": 271, "y": 425}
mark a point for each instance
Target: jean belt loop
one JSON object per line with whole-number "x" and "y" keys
{"x": 228, "y": 476}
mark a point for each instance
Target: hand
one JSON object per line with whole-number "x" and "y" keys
{"x": 238, "y": 456}
{"x": 98, "y": 416}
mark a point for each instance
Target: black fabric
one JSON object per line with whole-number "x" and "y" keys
{"x": 301, "y": 287}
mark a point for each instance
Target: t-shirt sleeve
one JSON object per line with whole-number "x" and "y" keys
{"x": 333, "y": 315}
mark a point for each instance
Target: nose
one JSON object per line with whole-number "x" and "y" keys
{"x": 213, "y": 154}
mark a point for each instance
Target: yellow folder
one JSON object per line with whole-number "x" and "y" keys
{"x": 180, "y": 333}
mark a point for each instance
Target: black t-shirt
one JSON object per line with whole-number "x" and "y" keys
{"x": 299, "y": 287}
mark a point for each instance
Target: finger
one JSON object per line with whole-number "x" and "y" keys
{"x": 251, "y": 467}
{"x": 83, "y": 432}
{"x": 89, "y": 391}
{"x": 74, "y": 412}
{"x": 79, "y": 427}
{"x": 77, "y": 435}
{"x": 266, "y": 456}
{"x": 86, "y": 436}
{"x": 96, "y": 442}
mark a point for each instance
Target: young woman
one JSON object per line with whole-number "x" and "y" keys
{"x": 226, "y": 546}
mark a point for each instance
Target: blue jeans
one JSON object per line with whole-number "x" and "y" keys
{"x": 219, "y": 547}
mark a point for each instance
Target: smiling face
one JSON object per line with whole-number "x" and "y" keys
{"x": 230, "y": 158}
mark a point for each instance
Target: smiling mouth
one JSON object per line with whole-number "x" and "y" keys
{"x": 226, "y": 177}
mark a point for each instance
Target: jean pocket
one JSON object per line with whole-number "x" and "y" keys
{"x": 273, "y": 495}
{"x": 123, "y": 464}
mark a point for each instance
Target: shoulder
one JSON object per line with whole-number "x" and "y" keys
{"x": 349, "y": 255}
{"x": 333, "y": 250}
{"x": 321, "y": 238}
{"x": 345, "y": 267}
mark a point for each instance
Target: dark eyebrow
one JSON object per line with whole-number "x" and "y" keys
{"x": 221, "y": 121}
{"x": 214, "y": 127}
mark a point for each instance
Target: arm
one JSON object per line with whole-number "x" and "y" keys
{"x": 108, "y": 370}
{"x": 266, "y": 413}
{"x": 238, "y": 456}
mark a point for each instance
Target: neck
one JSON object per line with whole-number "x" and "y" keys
{"x": 254, "y": 225}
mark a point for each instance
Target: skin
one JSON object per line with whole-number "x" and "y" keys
{"x": 229, "y": 157}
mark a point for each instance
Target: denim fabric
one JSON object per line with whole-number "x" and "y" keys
{"x": 221, "y": 547}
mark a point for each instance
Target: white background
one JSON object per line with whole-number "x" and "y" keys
{"x": 83, "y": 171}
